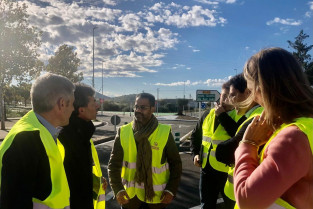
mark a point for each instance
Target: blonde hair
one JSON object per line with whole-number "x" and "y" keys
{"x": 284, "y": 87}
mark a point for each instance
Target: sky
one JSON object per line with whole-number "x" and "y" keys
{"x": 170, "y": 49}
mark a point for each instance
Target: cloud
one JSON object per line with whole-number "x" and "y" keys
{"x": 287, "y": 21}
{"x": 218, "y": 82}
{"x": 181, "y": 17}
{"x": 196, "y": 50}
{"x": 310, "y": 3}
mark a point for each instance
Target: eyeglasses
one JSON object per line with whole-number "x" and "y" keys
{"x": 141, "y": 107}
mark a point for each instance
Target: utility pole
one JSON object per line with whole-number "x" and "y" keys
{"x": 93, "y": 56}
{"x": 157, "y": 104}
{"x": 184, "y": 89}
{"x": 102, "y": 91}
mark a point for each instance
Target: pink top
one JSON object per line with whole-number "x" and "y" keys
{"x": 286, "y": 172}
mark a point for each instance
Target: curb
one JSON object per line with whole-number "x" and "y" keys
{"x": 102, "y": 140}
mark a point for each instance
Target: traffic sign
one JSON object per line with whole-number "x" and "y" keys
{"x": 207, "y": 95}
{"x": 203, "y": 105}
{"x": 115, "y": 120}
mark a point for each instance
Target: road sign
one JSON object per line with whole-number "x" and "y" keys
{"x": 203, "y": 105}
{"x": 115, "y": 120}
{"x": 207, "y": 95}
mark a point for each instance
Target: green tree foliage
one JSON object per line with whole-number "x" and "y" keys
{"x": 65, "y": 62}
{"x": 302, "y": 53}
{"x": 19, "y": 43}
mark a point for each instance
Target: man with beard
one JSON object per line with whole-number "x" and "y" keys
{"x": 145, "y": 166}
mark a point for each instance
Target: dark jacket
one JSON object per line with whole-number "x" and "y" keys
{"x": 25, "y": 161}
{"x": 170, "y": 153}
{"x": 78, "y": 161}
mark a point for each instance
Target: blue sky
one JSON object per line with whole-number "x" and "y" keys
{"x": 177, "y": 47}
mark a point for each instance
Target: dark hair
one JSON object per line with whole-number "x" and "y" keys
{"x": 284, "y": 87}
{"x": 238, "y": 82}
{"x": 226, "y": 85}
{"x": 148, "y": 96}
{"x": 82, "y": 93}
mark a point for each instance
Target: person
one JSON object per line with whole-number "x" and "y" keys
{"x": 31, "y": 165}
{"x": 282, "y": 175}
{"x": 225, "y": 151}
{"x": 145, "y": 167}
{"x": 81, "y": 161}
{"x": 212, "y": 128}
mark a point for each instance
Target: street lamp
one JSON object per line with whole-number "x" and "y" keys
{"x": 236, "y": 71}
{"x": 93, "y": 56}
{"x": 102, "y": 91}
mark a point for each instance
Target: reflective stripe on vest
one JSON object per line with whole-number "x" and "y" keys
{"x": 156, "y": 188}
{"x": 99, "y": 200}
{"x": 156, "y": 170}
{"x": 160, "y": 172}
{"x": 37, "y": 205}
{"x": 60, "y": 194}
{"x": 229, "y": 185}
{"x": 306, "y": 126}
{"x": 212, "y": 138}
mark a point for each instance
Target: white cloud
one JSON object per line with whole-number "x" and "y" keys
{"x": 196, "y": 50}
{"x": 310, "y": 3}
{"x": 216, "y": 82}
{"x": 181, "y": 17}
{"x": 287, "y": 21}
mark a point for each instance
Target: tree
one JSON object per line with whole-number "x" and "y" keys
{"x": 65, "y": 62}
{"x": 181, "y": 103}
{"x": 18, "y": 52}
{"x": 302, "y": 53}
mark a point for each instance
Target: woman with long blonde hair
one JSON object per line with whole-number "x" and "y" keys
{"x": 281, "y": 176}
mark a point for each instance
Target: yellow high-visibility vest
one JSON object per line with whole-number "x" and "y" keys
{"x": 99, "y": 201}
{"x": 306, "y": 126}
{"x": 229, "y": 185}
{"x": 214, "y": 137}
{"x": 60, "y": 193}
{"x": 160, "y": 172}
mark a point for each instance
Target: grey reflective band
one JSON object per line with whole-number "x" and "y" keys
{"x": 251, "y": 110}
{"x": 210, "y": 140}
{"x": 156, "y": 188}
{"x": 129, "y": 165}
{"x": 204, "y": 155}
{"x": 212, "y": 153}
{"x": 276, "y": 206}
{"x": 206, "y": 139}
{"x": 156, "y": 170}
{"x": 230, "y": 178}
{"x": 101, "y": 198}
{"x": 37, "y": 205}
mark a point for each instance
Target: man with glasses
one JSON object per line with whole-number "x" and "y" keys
{"x": 145, "y": 166}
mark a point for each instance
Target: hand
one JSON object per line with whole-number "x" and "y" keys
{"x": 104, "y": 183}
{"x": 258, "y": 130}
{"x": 166, "y": 197}
{"x": 122, "y": 197}
{"x": 219, "y": 109}
{"x": 196, "y": 161}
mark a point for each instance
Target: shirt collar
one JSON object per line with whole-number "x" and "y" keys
{"x": 54, "y": 131}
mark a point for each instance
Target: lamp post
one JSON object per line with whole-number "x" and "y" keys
{"x": 102, "y": 91}
{"x": 236, "y": 71}
{"x": 93, "y": 56}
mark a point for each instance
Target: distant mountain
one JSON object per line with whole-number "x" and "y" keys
{"x": 98, "y": 95}
{"x": 125, "y": 98}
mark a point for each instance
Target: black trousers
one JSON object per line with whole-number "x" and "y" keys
{"x": 212, "y": 183}
{"x": 135, "y": 203}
